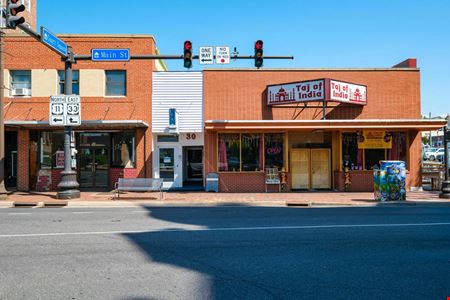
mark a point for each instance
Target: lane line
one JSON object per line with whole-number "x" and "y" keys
{"x": 21, "y": 213}
{"x": 82, "y": 212}
{"x": 221, "y": 229}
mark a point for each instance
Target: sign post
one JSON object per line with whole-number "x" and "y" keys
{"x": 68, "y": 186}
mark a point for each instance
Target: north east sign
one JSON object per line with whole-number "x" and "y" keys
{"x": 317, "y": 90}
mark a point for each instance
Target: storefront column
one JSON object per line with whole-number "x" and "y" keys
{"x": 414, "y": 181}
{"x": 23, "y": 161}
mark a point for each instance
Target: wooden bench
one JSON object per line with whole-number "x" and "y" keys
{"x": 140, "y": 185}
{"x": 435, "y": 172}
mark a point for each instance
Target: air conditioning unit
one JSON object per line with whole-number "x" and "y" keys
{"x": 21, "y": 92}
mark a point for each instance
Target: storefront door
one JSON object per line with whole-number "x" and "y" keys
{"x": 310, "y": 169}
{"x": 169, "y": 166}
{"x": 194, "y": 163}
{"x": 94, "y": 166}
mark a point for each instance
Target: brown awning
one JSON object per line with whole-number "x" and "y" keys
{"x": 329, "y": 125}
{"x": 88, "y": 124}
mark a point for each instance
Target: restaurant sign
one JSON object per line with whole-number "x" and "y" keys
{"x": 317, "y": 90}
{"x": 374, "y": 139}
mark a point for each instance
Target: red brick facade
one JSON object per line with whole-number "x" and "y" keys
{"x": 393, "y": 93}
{"x": 28, "y": 54}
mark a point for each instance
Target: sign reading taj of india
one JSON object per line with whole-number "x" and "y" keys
{"x": 317, "y": 90}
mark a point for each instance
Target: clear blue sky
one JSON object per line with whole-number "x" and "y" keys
{"x": 353, "y": 33}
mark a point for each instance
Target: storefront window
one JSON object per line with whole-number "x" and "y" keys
{"x": 58, "y": 149}
{"x": 273, "y": 145}
{"x": 252, "y": 152}
{"x": 352, "y": 157}
{"x": 45, "y": 153}
{"x": 398, "y": 150}
{"x": 229, "y": 156}
{"x": 123, "y": 153}
{"x": 373, "y": 157}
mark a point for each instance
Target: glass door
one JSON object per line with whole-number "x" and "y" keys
{"x": 86, "y": 158}
{"x": 94, "y": 166}
{"x": 166, "y": 164}
{"x": 194, "y": 163}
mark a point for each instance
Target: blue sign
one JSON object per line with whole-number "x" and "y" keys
{"x": 110, "y": 54}
{"x": 53, "y": 41}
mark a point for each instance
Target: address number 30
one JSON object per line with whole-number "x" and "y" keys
{"x": 191, "y": 136}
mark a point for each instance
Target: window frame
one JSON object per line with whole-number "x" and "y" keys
{"x": 11, "y": 75}
{"x": 62, "y": 82}
{"x": 124, "y": 84}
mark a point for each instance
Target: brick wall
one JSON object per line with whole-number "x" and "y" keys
{"x": 30, "y": 54}
{"x": 116, "y": 173}
{"x": 23, "y": 160}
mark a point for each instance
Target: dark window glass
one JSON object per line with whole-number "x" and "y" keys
{"x": 252, "y": 152}
{"x": 398, "y": 150}
{"x": 45, "y": 150}
{"x": 373, "y": 157}
{"x": 273, "y": 145}
{"x": 229, "y": 156}
{"x": 167, "y": 138}
{"x": 352, "y": 157}
{"x": 21, "y": 79}
{"x": 115, "y": 83}
{"x": 58, "y": 149}
{"x": 123, "y": 153}
{"x": 75, "y": 82}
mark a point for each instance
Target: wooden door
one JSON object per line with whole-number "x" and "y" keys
{"x": 300, "y": 161}
{"x": 320, "y": 169}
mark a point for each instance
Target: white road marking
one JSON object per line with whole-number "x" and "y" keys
{"x": 82, "y": 212}
{"x": 200, "y": 229}
{"x": 21, "y": 213}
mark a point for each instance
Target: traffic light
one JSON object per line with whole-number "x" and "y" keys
{"x": 13, "y": 7}
{"x": 258, "y": 54}
{"x": 187, "y": 54}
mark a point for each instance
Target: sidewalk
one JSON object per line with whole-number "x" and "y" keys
{"x": 107, "y": 199}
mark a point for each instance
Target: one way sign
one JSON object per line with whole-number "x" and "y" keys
{"x": 206, "y": 56}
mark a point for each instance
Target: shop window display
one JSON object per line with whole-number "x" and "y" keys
{"x": 252, "y": 154}
{"x": 123, "y": 153}
{"x": 229, "y": 156}
{"x": 274, "y": 150}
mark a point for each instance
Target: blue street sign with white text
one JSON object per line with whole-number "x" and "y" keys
{"x": 110, "y": 54}
{"x": 53, "y": 41}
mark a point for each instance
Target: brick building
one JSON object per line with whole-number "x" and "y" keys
{"x": 114, "y": 139}
{"x": 253, "y": 122}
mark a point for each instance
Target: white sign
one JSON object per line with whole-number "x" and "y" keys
{"x": 206, "y": 55}
{"x": 303, "y": 91}
{"x": 222, "y": 55}
{"x": 348, "y": 92}
{"x": 65, "y": 110}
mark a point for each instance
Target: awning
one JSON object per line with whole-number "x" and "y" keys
{"x": 88, "y": 124}
{"x": 329, "y": 125}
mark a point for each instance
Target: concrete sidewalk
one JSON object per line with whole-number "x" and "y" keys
{"x": 107, "y": 199}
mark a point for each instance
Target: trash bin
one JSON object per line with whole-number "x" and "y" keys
{"x": 212, "y": 182}
{"x": 389, "y": 181}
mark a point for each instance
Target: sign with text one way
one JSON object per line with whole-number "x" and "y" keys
{"x": 65, "y": 110}
{"x": 206, "y": 55}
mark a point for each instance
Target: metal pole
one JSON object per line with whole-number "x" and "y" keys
{"x": 3, "y": 193}
{"x": 445, "y": 190}
{"x": 68, "y": 187}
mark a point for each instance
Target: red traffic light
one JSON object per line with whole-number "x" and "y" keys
{"x": 14, "y": 1}
{"x": 187, "y": 45}
{"x": 258, "y": 45}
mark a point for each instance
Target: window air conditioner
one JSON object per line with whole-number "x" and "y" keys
{"x": 21, "y": 92}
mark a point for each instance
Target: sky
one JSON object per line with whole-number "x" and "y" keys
{"x": 319, "y": 34}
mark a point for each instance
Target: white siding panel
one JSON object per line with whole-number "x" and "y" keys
{"x": 182, "y": 91}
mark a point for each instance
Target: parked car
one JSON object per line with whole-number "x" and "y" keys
{"x": 434, "y": 155}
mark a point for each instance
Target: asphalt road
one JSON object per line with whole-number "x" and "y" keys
{"x": 226, "y": 252}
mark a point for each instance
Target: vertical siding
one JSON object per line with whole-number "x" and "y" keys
{"x": 180, "y": 90}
